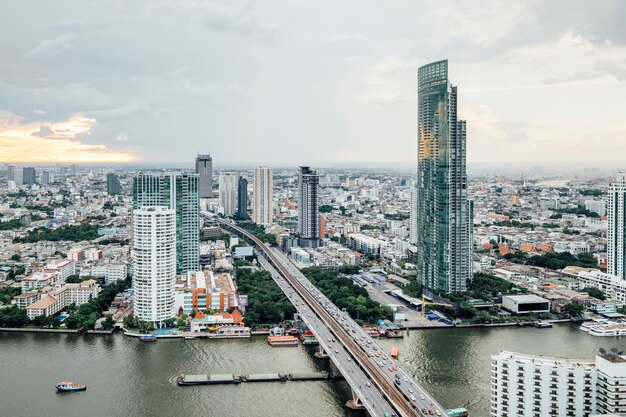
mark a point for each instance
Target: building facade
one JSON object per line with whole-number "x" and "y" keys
{"x": 113, "y": 184}
{"x": 228, "y": 193}
{"x": 538, "y": 386}
{"x": 154, "y": 263}
{"x": 308, "y": 207}
{"x": 262, "y": 193}
{"x": 443, "y": 221}
{"x": 204, "y": 169}
{"x": 179, "y": 192}
{"x": 242, "y": 199}
{"x": 29, "y": 176}
{"x": 616, "y": 232}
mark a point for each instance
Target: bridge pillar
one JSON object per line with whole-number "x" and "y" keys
{"x": 355, "y": 403}
{"x": 321, "y": 353}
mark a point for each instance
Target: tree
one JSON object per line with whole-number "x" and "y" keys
{"x": 594, "y": 292}
{"x": 16, "y": 257}
{"x": 108, "y": 322}
{"x": 573, "y": 310}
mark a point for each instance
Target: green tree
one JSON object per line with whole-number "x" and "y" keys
{"x": 594, "y": 292}
{"x": 573, "y": 310}
{"x": 108, "y": 323}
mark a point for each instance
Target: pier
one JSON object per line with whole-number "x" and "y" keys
{"x": 218, "y": 379}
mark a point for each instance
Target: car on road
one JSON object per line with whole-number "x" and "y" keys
{"x": 412, "y": 397}
{"x": 437, "y": 412}
{"x": 405, "y": 379}
{"x": 336, "y": 350}
{"x": 410, "y": 390}
{"x": 422, "y": 397}
{"x": 431, "y": 412}
{"x": 368, "y": 384}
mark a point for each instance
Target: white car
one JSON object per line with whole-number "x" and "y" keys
{"x": 413, "y": 397}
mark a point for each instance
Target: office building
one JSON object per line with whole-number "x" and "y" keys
{"x": 154, "y": 263}
{"x": 204, "y": 169}
{"x": 616, "y": 232}
{"x": 179, "y": 192}
{"x": 308, "y": 208}
{"x": 113, "y": 184}
{"x": 538, "y": 386}
{"x": 29, "y": 176}
{"x": 262, "y": 193}
{"x": 242, "y": 199}
{"x": 228, "y": 193}
{"x": 596, "y": 206}
{"x": 443, "y": 223}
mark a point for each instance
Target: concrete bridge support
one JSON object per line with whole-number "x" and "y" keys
{"x": 355, "y": 403}
{"x": 321, "y": 353}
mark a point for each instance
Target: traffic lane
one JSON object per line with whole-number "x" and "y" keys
{"x": 354, "y": 375}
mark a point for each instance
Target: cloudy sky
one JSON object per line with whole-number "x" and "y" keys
{"x": 317, "y": 82}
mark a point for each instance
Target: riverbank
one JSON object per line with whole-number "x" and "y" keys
{"x": 515, "y": 324}
{"x": 64, "y": 331}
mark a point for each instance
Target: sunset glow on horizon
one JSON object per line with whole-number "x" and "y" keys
{"x": 44, "y": 141}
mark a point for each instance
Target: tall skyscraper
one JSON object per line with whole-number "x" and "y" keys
{"x": 308, "y": 207}
{"x": 242, "y": 199}
{"x": 204, "y": 169}
{"x": 616, "y": 233}
{"x": 263, "y": 196}
{"x": 177, "y": 191}
{"x": 113, "y": 184}
{"x": 154, "y": 263}
{"x": 29, "y": 176}
{"x": 443, "y": 223}
{"x": 228, "y": 193}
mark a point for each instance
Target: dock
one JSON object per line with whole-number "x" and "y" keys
{"x": 215, "y": 379}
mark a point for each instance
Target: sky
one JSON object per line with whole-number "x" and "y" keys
{"x": 322, "y": 83}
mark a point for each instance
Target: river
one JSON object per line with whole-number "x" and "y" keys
{"x": 127, "y": 377}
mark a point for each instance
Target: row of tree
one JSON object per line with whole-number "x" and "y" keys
{"x": 76, "y": 233}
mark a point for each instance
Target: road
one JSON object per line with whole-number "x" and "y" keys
{"x": 371, "y": 398}
{"x": 398, "y": 387}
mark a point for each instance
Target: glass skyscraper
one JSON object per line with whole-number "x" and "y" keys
{"x": 176, "y": 191}
{"x": 443, "y": 212}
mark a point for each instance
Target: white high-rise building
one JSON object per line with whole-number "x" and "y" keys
{"x": 413, "y": 218}
{"x": 154, "y": 263}
{"x": 228, "y": 192}
{"x": 263, "y": 194}
{"x": 538, "y": 386}
{"x": 616, "y": 232}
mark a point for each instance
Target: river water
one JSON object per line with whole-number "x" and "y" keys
{"x": 127, "y": 377}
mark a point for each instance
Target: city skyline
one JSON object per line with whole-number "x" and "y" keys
{"x": 173, "y": 103}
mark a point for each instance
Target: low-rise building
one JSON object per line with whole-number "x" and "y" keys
{"x": 204, "y": 290}
{"x": 56, "y": 300}
{"x": 525, "y": 304}
{"x": 62, "y": 267}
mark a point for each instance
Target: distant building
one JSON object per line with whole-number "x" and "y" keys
{"x": 154, "y": 263}
{"x": 29, "y": 176}
{"x": 11, "y": 170}
{"x": 204, "y": 169}
{"x": 262, "y": 193}
{"x": 242, "y": 199}
{"x": 228, "y": 193}
{"x": 178, "y": 191}
{"x": 47, "y": 177}
{"x": 308, "y": 207}
{"x": 529, "y": 385}
{"x": 616, "y": 233}
{"x": 113, "y": 184}
{"x": 444, "y": 261}
{"x": 596, "y": 206}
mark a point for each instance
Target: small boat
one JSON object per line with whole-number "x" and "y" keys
{"x": 66, "y": 386}
{"x": 148, "y": 338}
{"x": 543, "y": 325}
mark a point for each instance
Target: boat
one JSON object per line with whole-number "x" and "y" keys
{"x": 308, "y": 338}
{"x": 458, "y": 412}
{"x": 543, "y": 325}
{"x": 66, "y": 386}
{"x": 394, "y": 352}
{"x": 148, "y": 338}
{"x": 282, "y": 340}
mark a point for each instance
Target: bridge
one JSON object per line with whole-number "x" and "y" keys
{"x": 378, "y": 382}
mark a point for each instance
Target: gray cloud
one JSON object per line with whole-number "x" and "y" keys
{"x": 579, "y": 76}
{"x": 50, "y": 47}
{"x": 44, "y": 131}
{"x": 616, "y": 69}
